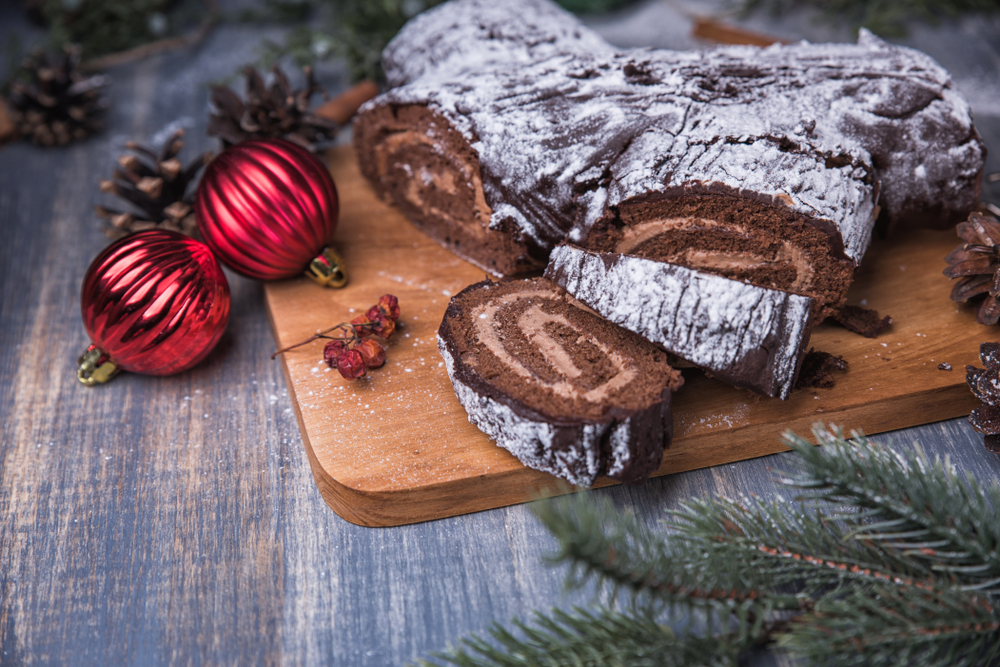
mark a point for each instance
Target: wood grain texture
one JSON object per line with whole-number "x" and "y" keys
{"x": 137, "y": 531}
{"x": 437, "y": 464}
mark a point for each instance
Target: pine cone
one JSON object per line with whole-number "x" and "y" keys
{"x": 156, "y": 186}
{"x": 277, "y": 111}
{"x": 977, "y": 263}
{"x": 985, "y": 384}
{"x": 57, "y": 104}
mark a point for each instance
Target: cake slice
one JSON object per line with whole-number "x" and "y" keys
{"x": 560, "y": 388}
{"x": 746, "y": 335}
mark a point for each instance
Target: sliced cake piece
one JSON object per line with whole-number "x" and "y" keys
{"x": 563, "y": 390}
{"x": 765, "y": 210}
{"x": 746, "y": 335}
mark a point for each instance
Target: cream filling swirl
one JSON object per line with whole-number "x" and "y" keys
{"x": 421, "y": 177}
{"x": 712, "y": 260}
{"x": 532, "y": 322}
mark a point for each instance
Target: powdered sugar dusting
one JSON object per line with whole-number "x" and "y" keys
{"x": 745, "y": 334}
{"x": 473, "y": 34}
{"x": 734, "y": 418}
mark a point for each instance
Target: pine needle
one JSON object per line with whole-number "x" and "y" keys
{"x": 924, "y": 509}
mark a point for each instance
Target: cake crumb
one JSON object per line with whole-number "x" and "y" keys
{"x": 863, "y": 321}
{"x": 944, "y": 366}
{"x": 817, "y": 370}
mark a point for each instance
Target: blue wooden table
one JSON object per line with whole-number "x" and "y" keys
{"x": 175, "y": 520}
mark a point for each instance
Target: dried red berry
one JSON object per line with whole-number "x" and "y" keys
{"x": 351, "y": 365}
{"x": 332, "y": 351}
{"x": 383, "y": 326}
{"x": 389, "y": 305}
{"x": 362, "y": 325}
{"x": 372, "y": 352}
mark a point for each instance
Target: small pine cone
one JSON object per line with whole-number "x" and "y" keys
{"x": 278, "y": 111}
{"x": 54, "y": 103}
{"x": 156, "y": 184}
{"x": 985, "y": 385}
{"x": 977, "y": 264}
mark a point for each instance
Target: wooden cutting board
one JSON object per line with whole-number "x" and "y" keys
{"x": 396, "y": 447}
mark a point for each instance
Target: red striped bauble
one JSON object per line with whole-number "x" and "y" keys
{"x": 267, "y": 208}
{"x": 155, "y": 303}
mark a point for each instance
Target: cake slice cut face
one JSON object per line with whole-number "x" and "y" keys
{"x": 562, "y": 389}
{"x": 424, "y": 166}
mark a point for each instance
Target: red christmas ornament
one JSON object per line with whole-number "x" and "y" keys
{"x": 155, "y": 302}
{"x": 268, "y": 208}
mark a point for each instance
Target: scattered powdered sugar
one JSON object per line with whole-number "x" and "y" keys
{"x": 738, "y": 416}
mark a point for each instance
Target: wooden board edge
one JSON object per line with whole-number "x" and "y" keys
{"x": 474, "y": 494}
{"x": 937, "y": 404}
{"x": 438, "y": 501}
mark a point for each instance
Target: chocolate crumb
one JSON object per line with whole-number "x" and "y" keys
{"x": 862, "y": 321}
{"x": 817, "y": 370}
{"x": 944, "y": 366}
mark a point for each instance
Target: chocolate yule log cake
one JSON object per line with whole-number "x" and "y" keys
{"x": 511, "y": 129}
{"x": 563, "y": 390}
{"x": 601, "y": 165}
{"x": 500, "y": 160}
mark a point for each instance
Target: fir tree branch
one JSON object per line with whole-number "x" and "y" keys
{"x": 892, "y": 561}
{"x": 924, "y": 510}
{"x": 792, "y": 546}
{"x": 899, "y": 626}
{"x": 609, "y": 548}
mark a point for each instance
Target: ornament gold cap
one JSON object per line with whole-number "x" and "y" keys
{"x": 95, "y": 367}
{"x": 327, "y": 269}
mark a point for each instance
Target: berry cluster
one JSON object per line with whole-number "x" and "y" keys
{"x": 350, "y": 348}
{"x": 352, "y": 352}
